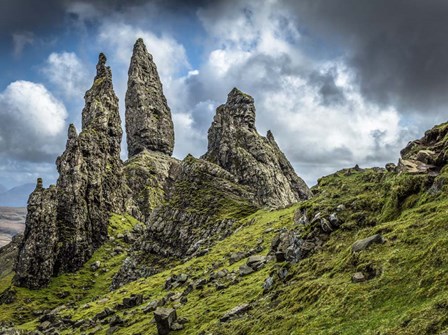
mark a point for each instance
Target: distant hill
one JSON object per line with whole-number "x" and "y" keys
{"x": 12, "y": 222}
{"x": 16, "y": 196}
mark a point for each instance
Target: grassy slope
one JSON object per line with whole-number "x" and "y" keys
{"x": 409, "y": 294}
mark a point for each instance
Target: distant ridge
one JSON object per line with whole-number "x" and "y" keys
{"x": 16, "y": 196}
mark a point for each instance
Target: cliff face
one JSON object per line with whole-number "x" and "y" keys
{"x": 37, "y": 252}
{"x": 257, "y": 161}
{"x": 150, "y": 135}
{"x": 67, "y": 223}
{"x": 148, "y": 117}
{"x": 187, "y": 206}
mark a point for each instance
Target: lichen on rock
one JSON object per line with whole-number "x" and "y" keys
{"x": 148, "y": 118}
{"x": 257, "y": 161}
{"x": 68, "y": 222}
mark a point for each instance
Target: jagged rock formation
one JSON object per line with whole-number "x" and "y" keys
{"x": 148, "y": 117}
{"x": 37, "y": 253}
{"x": 149, "y": 176}
{"x": 203, "y": 204}
{"x": 428, "y": 154}
{"x": 67, "y": 223}
{"x": 150, "y": 135}
{"x": 256, "y": 161}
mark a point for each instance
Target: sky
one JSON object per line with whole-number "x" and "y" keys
{"x": 338, "y": 82}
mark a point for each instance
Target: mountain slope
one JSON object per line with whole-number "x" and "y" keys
{"x": 405, "y": 291}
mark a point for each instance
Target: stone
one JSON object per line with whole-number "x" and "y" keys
{"x": 391, "y": 167}
{"x": 365, "y": 243}
{"x": 334, "y": 220}
{"x": 67, "y": 223}
{"x": 427, "y": 154}
{"x": 235, "y": 312}
{"x": 176, "y": 326}
{"x": 182, "y": 278}
{"x": 236, "y": 256}
{"x": 151, "y": 307}
{"x": 148, "y": 118}
{"x": 244, "y": 270}
{"x": 286, "y": 246}
{"x": 340, "y": 208}
{"x": 132, "y": 301}
{"x": 358, "y": 277}
{"x": 95, "y": 266}
{"x": 104, "y": 314}
{"x": 200, "y": 283}
{"x": 256, "y": 262}
{"x": 165, "y": 318}
{"x": 268, "y": 283}
{"x": 115, "y": 321}
{"x": 256, "y": 161}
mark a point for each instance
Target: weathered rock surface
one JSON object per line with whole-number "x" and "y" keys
{"x": 149, "y": 176}
{"x": 428, "y": 154}
{"x": 365, "y": 243}
{"x": 235, "y": 312}
{"x": 67, "y": 223}
{"x": 148, "y": 117}
{"x": 37, "y": 256}
{"x": 203, "y": 204}
{"x": 256, "y": 161}
{"x": 8, "y": 255}
{"x": 165, "y": 318}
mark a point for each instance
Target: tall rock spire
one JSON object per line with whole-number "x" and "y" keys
{"x": 67, "y": 223}
{"x": 148, "y": 117}
{"x": 257, "y": 161}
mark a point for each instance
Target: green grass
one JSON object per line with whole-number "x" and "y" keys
{"x": 408, "y": 294}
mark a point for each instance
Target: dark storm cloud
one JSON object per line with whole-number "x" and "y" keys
{"x": 398, "y": 48}
{"x": 329, "y": 92}
{"x": 30, "y": 16}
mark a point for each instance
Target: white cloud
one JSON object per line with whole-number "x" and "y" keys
{"x": 258, "y": 48}
{"x": 168, "y": 54}
{"x": 117, "y": 39}
{"x": 32, "y": 122}
{"x": 67, "y": 73}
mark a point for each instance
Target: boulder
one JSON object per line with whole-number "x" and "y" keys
{"x": 358, "y": 277}
{"x": 165, "y": 318}
{"x": 256, "y": 262}
{"x": 235, "y": 312}
{"x": 286, "y": 246}
{"x": 365, "y": 243}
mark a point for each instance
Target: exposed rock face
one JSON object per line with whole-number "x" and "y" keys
{"x": 202, "y": 206}
{"x": 149, "y": 176}
{"x": 256, "y": 161}
{"x": 90, "y": 184}
{"x": 37, "y": 253}
{"x": 428, "y": 154}
{"x": 148, "y": 117}
{"x": 67, "y": 223}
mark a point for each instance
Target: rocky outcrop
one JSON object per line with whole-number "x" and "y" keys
{"x": 149, "y": 176}
{"x": 256, "y": 161}
{"x": 37, "y": 253}
{"x": 204, "y": 204}
{"x": 428, "y": 154}
{"x": 90, "y": 184}
{"x": 148, "y": 117}
{"x": 202, "y": 207}
{"x": 67, "y": 223}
